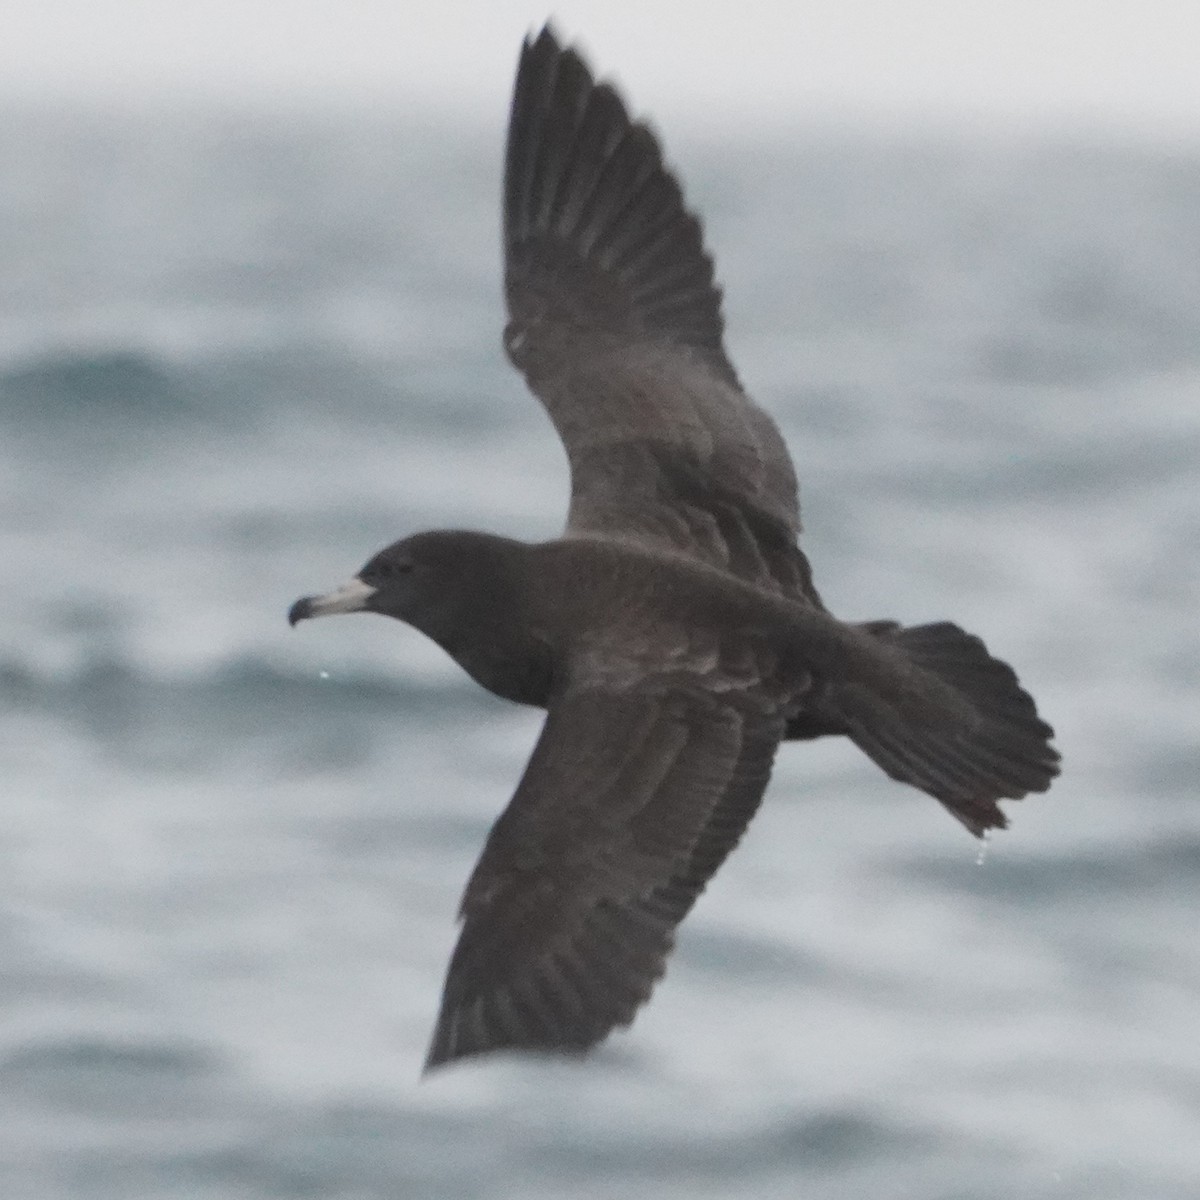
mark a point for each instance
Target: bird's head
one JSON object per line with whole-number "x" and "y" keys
{"x": 429, "y": 580}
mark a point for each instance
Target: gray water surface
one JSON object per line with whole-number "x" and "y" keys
{"x": 237, "y": 356}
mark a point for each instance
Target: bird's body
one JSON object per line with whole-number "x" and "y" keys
{"x": 673, "y": 633}
{"x": 542, "y": 614}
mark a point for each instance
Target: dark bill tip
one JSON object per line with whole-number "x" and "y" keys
{"x": 353, "y": 596}
{"x": 300, "y": 611}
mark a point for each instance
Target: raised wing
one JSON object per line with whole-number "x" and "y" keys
{"x": 629, "y": 804}
{"x": 616, "y": 324}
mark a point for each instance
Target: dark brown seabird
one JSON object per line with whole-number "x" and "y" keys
{"x": 673, "y": 632}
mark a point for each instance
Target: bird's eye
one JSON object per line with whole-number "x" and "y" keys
{"x": 384, "y": 569}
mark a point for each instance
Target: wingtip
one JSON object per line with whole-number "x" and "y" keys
{"x": 444, "y": 1047}
{"x": 432, "y": 1063}
{"x": 442, "y": 1051}
{"x": 545, "y": 40}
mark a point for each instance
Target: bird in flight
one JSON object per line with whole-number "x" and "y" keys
{"x": 672, "y": 633}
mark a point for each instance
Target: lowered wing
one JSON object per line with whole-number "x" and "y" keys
{"x": 632, "y": 799}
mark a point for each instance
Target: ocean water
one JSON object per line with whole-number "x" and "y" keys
{"x": 238, "y": 354}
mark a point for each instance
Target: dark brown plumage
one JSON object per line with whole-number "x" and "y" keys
{"x": 673, "y": 633}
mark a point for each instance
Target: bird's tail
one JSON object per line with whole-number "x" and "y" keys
{"x": 999, "y": 748}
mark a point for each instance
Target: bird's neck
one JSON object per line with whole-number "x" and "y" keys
{"x": 496, "y": 636}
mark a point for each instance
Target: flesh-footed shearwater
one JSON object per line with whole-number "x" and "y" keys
{"x": 673, "y": 632}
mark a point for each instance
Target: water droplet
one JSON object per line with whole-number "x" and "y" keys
{"x": 984, "y": 843}
{"x": 323, "y": 674}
